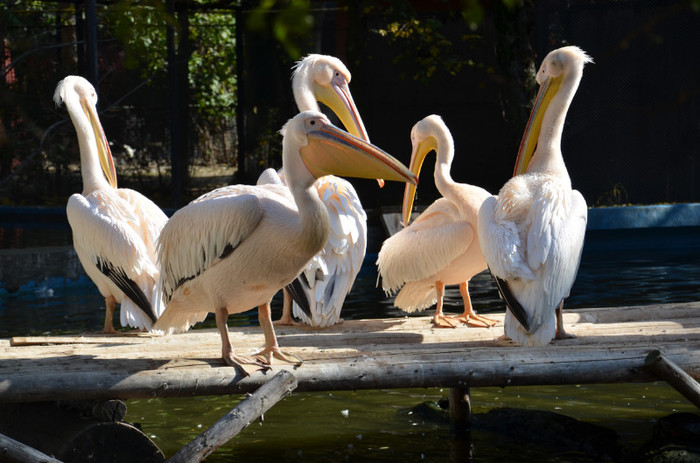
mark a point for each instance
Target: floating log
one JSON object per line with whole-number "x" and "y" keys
{"x": 12, "y": 451}
{"x": 280, "y": 386}
{"x": 668, "y": 371}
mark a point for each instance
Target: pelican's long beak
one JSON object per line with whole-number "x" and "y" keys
{"x": 103, "y": 152}
{"x": 331, "y": 151}
{"x": 548, "y": 89}
{"x": 337, "y": 96}
{"x": 420, "y": 151}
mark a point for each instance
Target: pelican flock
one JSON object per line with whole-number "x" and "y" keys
{"x": 304, "y": 229}
{"x": 321, "y": 288}
{"x": 232, "y": 250}
{"x": 441, "y": 247}
{"x": 532, "y": 233}
{"x": 114, "y": 229}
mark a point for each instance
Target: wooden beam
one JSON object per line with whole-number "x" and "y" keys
{"x": 406, "y": 352}
{"x": 13, "y": 451}
{"x": 460, "y": 411}
{"x": 280, "y": 386}
{"x": 668, "y": 371}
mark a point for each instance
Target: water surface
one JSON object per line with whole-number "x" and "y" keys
{"x": 618, "y": 268}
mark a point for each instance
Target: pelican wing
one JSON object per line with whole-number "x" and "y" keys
{"x": 150, "y": 218}
{"x": 499, "y": 233}
{"x": 425, "y": 247}
{"x": 563, "y": 236}
{"x": 329, "y": 276}
{"x": 204, "y": 232}
{"x": 104, "y": 234}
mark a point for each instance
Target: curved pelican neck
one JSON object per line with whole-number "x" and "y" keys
{"x": 303, "y": 91}
{"x": 548, "y": 156}
{"x": 443, "y": 164}
{"x": 314, "y": 221}
{"x": 90, "y": 169}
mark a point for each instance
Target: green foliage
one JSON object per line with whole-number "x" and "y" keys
{"x": 212, "y": 63}
{"x": 291, "y": 21}
{"x": 140, "y": 28}
{"x": 429, "y": 42}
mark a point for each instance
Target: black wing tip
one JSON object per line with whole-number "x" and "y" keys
{"x": 296, "y": 290}
{"x": 128, "y": 286}
{"x": 511, "y": 302}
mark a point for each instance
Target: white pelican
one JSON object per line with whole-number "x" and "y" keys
{"x": 441, "y": 247}
{"x": 114, "y": 229}
{"x": 232, "y": 250}
{"x": 532, "y": 232}
{"x": 329, "y": 276}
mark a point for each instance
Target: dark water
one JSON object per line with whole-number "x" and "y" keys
{"x": 618, "y": 268}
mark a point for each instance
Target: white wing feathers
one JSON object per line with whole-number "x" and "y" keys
{"x": 118, "y": 229}
{"x": 104, "y": 229}
{"x": 500, "y": 225}
{"x": 329, "y": 276}
{"x": 425, "y": 247}
{"x": 220, "y": 224}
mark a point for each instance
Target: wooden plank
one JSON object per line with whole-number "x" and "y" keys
{"x": 280, "y": 386}
{"x": 610, "y": 346}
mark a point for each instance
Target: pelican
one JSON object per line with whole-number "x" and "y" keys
{"x": 441, "y": 247}
{"x": 329, "y": 276}
{"x": 232, "y": 250}
{"x": 532, "y": 232}
{"x": 114, "y": 229}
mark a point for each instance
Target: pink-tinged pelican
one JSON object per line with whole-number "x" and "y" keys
{"x": 114, "y": 229}
{"x": 441, "y": 247}
{"x": 233, "y": 249}
{"x": 532, "y": 232}
{"x": 329, "y": 276}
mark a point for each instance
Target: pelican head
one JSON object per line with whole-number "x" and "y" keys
{"x": 328, "y": 150}
{"x": 325, "y": 78}
{"x": 80, "y": 99}
{"x": 560, "y": 70}
{"x": 423, "y": 141}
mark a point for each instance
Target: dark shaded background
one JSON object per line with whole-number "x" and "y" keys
{"x": 631, "y": 135}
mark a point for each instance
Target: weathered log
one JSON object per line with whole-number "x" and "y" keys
{"x": 668, "y": 371}
{"x": 358, "y": 354}
{"x": 237, "y": 419}
{"x": 12, "y": 451}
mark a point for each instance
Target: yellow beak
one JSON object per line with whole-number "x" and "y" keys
{"x": 420, "y": 151}
{"x": 103, "y": 152}
{"x": 548, "y": 89}
{"x": 338, "y": 98}
{"x": 331, "y": 151}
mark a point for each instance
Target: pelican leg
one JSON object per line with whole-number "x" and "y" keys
{"x": 560, "y": 333}
{"x": 245, "y": 365}
{"x": 439, "y": 319}
{"x": 469, "y": 317}
{"x": 286, "y": 319}
{"x": 109, "y": 315}
{"x": 272, "y": 349}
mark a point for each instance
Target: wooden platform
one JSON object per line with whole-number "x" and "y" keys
{"x": 610, "y": 346}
